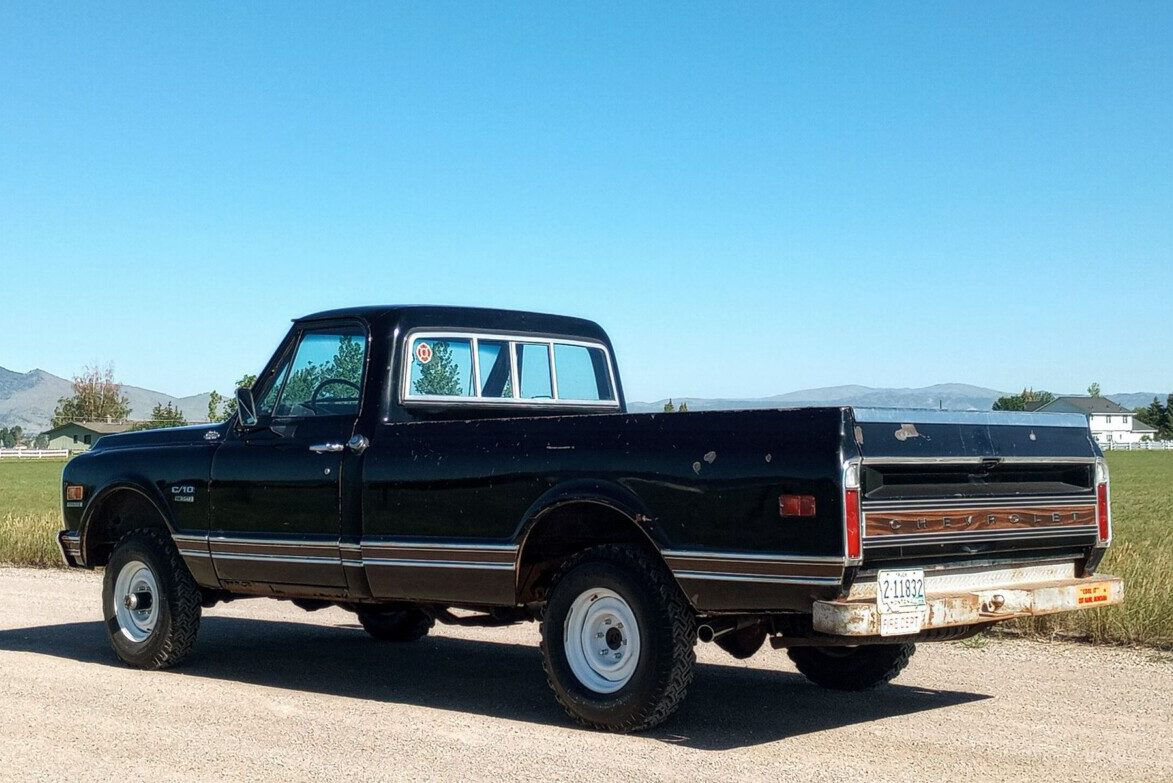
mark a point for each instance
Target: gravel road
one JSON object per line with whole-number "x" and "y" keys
{"x": 274, "y": 693}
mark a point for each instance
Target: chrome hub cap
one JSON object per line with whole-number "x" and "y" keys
{"x": 135, "y": 606}
{"x": 601, "y": 640}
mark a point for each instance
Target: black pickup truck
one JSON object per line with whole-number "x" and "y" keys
{"x": 417, "y": 465}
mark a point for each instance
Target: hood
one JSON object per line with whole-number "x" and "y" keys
{"x": 167, "y": 436}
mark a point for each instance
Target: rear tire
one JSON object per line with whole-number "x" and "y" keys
{"x": 618, "y": 639}
{"x": 406, "y": 625}
{"x": 851, "y": 668}
{"x": 150, "y": 601}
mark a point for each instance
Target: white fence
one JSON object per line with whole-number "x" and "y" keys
{"x": 33, "y": 453}
{"x": 1149, "y": 445}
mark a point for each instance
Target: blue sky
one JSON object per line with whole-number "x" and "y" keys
{"x": 752, "y": 199}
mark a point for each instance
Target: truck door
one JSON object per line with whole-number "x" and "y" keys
{"x": 276, "y": 512}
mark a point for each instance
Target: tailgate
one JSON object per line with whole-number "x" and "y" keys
{"x": 954, "y": 487}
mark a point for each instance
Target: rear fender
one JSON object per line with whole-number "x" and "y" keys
{"x": 603, "y": 493}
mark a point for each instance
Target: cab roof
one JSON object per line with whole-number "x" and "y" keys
{"x": 449, "y": 316}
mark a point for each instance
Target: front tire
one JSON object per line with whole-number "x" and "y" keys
{"x": 618, "y": 640}
{"x": 852, "y": 668}
{"x": 150, "y": 601}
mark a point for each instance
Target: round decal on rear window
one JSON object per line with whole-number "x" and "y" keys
{"x": 423, "y": 353}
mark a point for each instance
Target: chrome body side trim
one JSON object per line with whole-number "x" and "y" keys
{"x": 752, "y": 556}
{"x": 782, "y": 580}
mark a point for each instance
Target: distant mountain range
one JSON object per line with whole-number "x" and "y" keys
{"x": 28, "y": 399}
{"x": 946, "y": 396}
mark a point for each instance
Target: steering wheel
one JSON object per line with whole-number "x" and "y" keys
{"x": 329, "y": 381}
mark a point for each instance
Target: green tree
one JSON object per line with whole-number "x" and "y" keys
{"x": 4, "y": 444}
{"x": 1158, "y": 416}
{"x": 215, "y": 402}
{"x": 1166, "y": 432}
{"x": 1094, "y": 389}
{"x": 440, "y": 376}
{"x": 162, "y": 416}
{"x": 1018, "y": 402}
{"x": 683, "y": 408}
{"x": 221, "y": 408}
{"x": 669, "y": 407}
{"x": 41, "y": 441}
{"x": 16, "y": 435}
{"x": 96, "y": 397}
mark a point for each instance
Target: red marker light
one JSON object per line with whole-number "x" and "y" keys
{"x": 74, "y": 492}
{"x": 796, "y": 505}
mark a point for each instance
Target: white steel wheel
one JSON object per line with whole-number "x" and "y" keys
{"x": 136, "y": 601}
{"x": 601, "y": 640}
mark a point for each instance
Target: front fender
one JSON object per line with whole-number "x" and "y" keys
{"x": 135, "y": 484}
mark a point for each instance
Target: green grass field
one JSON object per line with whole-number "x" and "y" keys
{"x": 30, "y": 511}
{"x": 1142, "y": 506}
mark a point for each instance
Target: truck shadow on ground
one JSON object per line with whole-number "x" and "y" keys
{"x": 727, "y": 706}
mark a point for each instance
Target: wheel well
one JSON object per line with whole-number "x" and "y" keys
{"x": 563, "y": 532}
{"x": 120, "y": 512}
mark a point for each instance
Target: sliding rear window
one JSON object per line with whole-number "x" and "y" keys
{"x": 505, "y": 369}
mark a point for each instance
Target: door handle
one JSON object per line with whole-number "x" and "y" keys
{"x": 326, "y": 448}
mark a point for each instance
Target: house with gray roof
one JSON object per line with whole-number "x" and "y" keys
{"x": 80, "y": 435}
{"x": 1109, "y": 422}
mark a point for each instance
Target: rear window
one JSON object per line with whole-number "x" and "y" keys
{"x": 508, "y": 370}
{"x": 582, "y": 373}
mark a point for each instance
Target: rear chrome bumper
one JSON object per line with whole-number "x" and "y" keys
{"x": 69, "y": 543}
{"x": 980, "y": 602}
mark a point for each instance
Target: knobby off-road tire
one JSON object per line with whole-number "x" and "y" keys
{"x": 155, "y": 632}
{"x": 851, "y": 668}
{"x": 619, "y": 604}
{"x": 407, "y": 625}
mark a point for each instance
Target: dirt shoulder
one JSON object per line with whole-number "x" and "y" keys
{"x": 273, "y": 692}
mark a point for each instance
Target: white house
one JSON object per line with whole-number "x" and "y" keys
{"x": 1109, "y": 422}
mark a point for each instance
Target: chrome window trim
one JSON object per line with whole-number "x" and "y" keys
{"x": 407, "y": 397}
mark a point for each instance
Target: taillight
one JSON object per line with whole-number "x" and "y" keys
{"x": 1103, "y": 507}
{"x": 851, "y": 515}
{"x": 854, "y": 542}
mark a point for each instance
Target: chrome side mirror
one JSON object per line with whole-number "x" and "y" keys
{"x": 246, "y": 407}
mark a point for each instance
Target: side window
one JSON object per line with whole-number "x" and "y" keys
{"x": 533, "y": 371}
{"x": 442, "y": 367}
{"x": 496, "y": 374}
{"x": 582, "y": 373}
{"x": 325, "y": 376}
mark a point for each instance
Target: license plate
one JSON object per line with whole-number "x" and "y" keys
{"x": 900, "y": 600}
{"x": 900, "y": 591}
